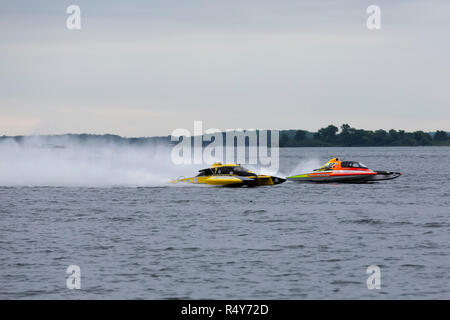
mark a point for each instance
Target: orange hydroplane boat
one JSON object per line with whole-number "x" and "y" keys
{"x": 344, "y": 171}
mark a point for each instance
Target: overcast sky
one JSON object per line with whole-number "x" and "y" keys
{"x": 142, "y": 68}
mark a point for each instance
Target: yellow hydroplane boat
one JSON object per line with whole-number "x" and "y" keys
{"x": 231, "y": 175}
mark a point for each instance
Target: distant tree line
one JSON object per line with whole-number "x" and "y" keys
{"x": 324, "y": 137}
{"x": 348, "y": 136}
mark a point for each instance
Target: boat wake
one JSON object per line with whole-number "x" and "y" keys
{"x": 40, "y": 161}
{"x": 306, "y": 165}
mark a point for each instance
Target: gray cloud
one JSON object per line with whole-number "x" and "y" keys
{"x": 148, "y": 67}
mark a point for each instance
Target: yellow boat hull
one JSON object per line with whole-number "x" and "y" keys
{"x": 231, "y": 175}
{"x": 259, "y": 180}
{"x": 223, "y": 181}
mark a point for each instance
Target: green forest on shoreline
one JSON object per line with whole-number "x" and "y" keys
{"x": 346, "y": 136}
{"x": 330, "y": 136}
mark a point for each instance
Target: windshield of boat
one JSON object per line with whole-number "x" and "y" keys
{"x": 205, "y": 172}
{"x": 352, "y": 164}
{"x": 241, "y": 171}
{"x": 225, "y": 170}
{"x": 363, "y": 166}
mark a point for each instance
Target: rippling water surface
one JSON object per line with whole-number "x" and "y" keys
{"x": 291, "y": 241}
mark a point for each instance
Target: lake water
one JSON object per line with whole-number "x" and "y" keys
{"x": 290, "y": 241}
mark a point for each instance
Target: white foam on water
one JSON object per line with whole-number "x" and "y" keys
{"x": 40, "y": 161}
